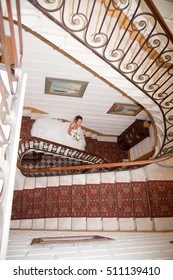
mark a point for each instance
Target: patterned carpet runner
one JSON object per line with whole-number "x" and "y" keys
{"x": 123, "y": 200}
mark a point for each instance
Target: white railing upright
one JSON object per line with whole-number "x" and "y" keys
{"x": 12, "y": 91}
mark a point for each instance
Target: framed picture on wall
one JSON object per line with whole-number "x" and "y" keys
{"x": 125, "y": 109}
{"x": 65, "y": 87}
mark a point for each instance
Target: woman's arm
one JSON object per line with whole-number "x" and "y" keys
{"x": 71, "y": 126}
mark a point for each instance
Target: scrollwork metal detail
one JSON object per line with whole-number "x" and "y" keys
{"x": 49, "y": 5}
{"x": 126, "y": 36}
{"x": 119, "y": 4}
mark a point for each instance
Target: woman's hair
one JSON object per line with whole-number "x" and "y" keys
{"x": 78, "y": 117}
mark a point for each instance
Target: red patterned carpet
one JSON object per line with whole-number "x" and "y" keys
{"x": 123, "y": 200}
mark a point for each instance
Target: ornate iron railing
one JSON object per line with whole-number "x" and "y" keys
{"x": 131, "y": 39}
{"x": 81, "y": 162}
{"x": 48, "y": 147}
{"x": 74, "y": 157}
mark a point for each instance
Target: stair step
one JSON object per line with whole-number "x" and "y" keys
{"x": 26, "y": 113}
{"x": 89, "y": 224}
{"x": 88, "y": 133}
{"x": 35, "y": 116}
{"x": 85, "y": 223}
{"x": 107, "y": 138}
{"x": 94, "y": 136}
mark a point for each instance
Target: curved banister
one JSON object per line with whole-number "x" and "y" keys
{"x": 50, "y": 147}
{"x": 92, "y": 163}
{"x": 94, "y": 168}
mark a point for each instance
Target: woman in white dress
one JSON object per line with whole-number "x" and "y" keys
{"x": 60, "y": 132}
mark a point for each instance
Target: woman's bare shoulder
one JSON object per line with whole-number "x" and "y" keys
{"x": 72, "y": 125}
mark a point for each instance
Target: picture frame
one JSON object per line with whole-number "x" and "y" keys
{"x": 65, "y": 87}
{"x": 125, "y": 109}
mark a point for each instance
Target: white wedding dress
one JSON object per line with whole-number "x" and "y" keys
{"x": 57, "y": 131}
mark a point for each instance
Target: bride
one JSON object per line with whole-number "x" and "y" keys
{"x": 60, "y": 132}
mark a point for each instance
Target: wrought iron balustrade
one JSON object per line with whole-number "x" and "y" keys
{"x": 129, "y": 36}
{"x": 48, "y": 147}
{"x": 72, "y": 157}
{"x": 81, "y": 161}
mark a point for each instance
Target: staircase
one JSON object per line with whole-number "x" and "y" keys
{"x": 112, "y": 202}
{"x": 72, "y": 202}
{"x": 151, "y": 89}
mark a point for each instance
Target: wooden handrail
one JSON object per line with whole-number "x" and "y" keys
{"x": 91, "y": 166}
{"x": 5, "y": 52}
{"x": 13, "y": 42}
{"x": 57, "y": 149}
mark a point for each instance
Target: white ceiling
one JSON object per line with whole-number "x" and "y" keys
{"x": 40, "y": 61}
